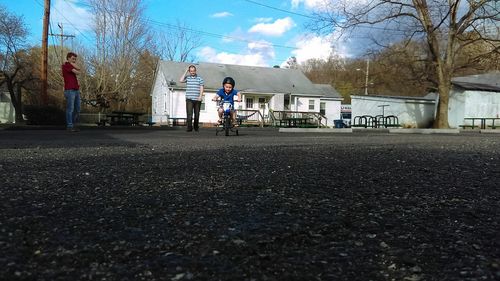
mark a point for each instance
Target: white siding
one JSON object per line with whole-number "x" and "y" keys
{"x": 456, "y": 108}
{"x": 302, "y": 104}
{"x": 332, "y": 111}
{"x": 160, "y": 100}
{"x": 277, "y": 102}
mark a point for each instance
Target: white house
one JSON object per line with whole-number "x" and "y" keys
{"x": 474, "y": 96}
{"x": 265, "y": 92}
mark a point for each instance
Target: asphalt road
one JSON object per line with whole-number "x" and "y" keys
{"x": 149, "y": 204}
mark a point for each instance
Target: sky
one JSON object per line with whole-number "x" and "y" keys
{"x": 243, "y": 32}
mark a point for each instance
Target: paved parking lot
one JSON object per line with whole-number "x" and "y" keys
{"x": 150, "y": 204}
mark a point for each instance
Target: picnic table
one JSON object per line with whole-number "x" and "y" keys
{"x": 294, "y": 121}
{"x": 177, "y": 121}
{"x": 126, "y": 118}
{"x": 482, "y": 122}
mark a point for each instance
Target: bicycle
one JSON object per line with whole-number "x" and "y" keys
{"x": 226, "y": 125}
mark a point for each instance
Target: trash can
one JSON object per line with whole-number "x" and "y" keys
{"x": 338, "y": 123}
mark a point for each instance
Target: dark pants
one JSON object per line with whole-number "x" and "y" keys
{"x": 193, "y": 106}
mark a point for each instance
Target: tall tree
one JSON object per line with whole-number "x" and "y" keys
{"x": 121, "y": 35}
{"x": 444, "y": 26}
{"x": 177, "y": 42}
{"x": 15, "y": 70}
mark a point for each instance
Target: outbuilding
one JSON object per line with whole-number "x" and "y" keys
{"x": 411, "y": 112}
{"x": 474, "y": 96}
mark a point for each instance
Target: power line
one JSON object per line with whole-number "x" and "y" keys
{"x": 205, "y": 33}
{"x": 281, "y": 10}
{"x": 315, "y": 18}
{"x": 200, "y": 32}
{"x": 196, "y": 31}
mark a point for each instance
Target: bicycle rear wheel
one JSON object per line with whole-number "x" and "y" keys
{"x": 227, "y": 125}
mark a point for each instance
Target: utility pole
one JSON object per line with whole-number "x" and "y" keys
{"x": 45, "y": 36}
{"x": 62, "y": 37}
{"x": 367, "y": 73}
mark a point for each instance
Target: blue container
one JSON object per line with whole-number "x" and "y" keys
{"x": 338, "y": 123}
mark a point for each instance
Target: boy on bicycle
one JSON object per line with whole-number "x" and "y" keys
{"x": 227, "y": 94}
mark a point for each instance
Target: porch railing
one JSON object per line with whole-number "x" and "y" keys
{"x": 250, "y": 116}
{"x": 315, "y": 118}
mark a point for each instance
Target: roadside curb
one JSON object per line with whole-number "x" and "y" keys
{"x": 315, "y": 130}
{"x": 383, "y": 130}
{"x": 424, "y": 131}
{"x": 490, "y": 131}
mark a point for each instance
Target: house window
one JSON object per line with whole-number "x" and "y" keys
{"x": 262, "y": 103}
{"x": 249, "y": 103}
{"x": 322, "y": 106}
{"x": 311, "y": 104}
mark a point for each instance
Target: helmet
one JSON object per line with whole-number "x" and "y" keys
{"x": 228, "y": 80}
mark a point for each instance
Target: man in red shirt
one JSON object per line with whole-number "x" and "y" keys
{"x": 71, "y": 91}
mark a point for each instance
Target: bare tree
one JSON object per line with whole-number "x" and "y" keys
{"x": 16, "y": 72}
{"x": 177, "y": 42}
{"x": 446, "y": 27}
{"x": 121, "y": 36}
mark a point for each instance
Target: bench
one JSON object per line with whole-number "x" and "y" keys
{"x": 178, "y": 121}
{"x": 240, "y": 119}
{"x": 102, "y": 122}
{"x": 468, "y": 126}
{"x": 392, "y": 125}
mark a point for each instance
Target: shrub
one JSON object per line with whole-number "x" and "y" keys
{"x": 44, "y": 115}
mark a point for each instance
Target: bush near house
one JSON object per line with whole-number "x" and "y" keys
{"x": 44, "y": 115}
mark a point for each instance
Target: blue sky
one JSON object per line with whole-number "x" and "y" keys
{"x": 257, "y": 32}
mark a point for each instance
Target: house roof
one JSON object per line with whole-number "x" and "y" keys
{"x": 431, "y": 97}
{"x": 328, "y": 91}
{"x": 250, "y": 79}
{"x": 485, "y": 82}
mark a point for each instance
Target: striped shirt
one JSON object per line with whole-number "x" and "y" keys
{"x": 193, "y": 84}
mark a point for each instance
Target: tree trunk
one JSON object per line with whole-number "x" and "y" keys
{"x": 18, "y": 104}
{"x": 442, "y": 110}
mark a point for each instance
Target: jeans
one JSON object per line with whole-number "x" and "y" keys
{"x": 72, "y": 107}
{"x": 193, "y": 106}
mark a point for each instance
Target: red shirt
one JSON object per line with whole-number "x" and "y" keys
{"x": 70, "y": 81}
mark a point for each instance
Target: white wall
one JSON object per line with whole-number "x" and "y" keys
{"x": 7, "y": 112}
{"x": 160, "y": 101}
{"x": 411, "y": 113}
{"x": 482, "y": 104}
{"x": 302, "y": 104}
{"x": 277, "y": 102}
{"x": 332, "y": 111}
{"x": 456, "y": 108}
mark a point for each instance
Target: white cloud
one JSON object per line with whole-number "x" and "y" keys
{"x": 309, "y": 4}
{"x": 312, "y": 47}
{"x": 74, "y": 18}
{"x": 276, "y": 28}
{"x": 221, "y": 15}
{"x": 256, "y": 54}
{"x": 263, "y": 20}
